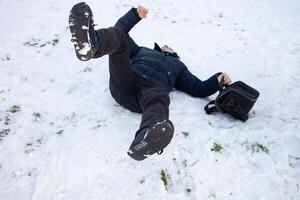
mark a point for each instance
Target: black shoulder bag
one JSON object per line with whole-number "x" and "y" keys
{"x": 236, "y": 99}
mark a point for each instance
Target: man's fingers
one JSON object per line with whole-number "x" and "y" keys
{"x": 225, "y": 78}
{"x": 141, "y": 8}
{"x": 142, "y": 11}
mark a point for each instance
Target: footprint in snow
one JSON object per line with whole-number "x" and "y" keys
{"x": 293, "y": 144}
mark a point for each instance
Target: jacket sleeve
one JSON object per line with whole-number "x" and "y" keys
{"x": 128, "y": 21}
{"x": 190, "y": 84}
{"x": 209, "y": 86}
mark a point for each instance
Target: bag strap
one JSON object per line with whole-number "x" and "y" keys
{"x": 212, "y": 109}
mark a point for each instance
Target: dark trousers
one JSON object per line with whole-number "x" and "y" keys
{"x": 128, "y": 89}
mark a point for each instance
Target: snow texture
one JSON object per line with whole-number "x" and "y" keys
{"x": 63, "y": 137}
{"x": 85, "y": 49}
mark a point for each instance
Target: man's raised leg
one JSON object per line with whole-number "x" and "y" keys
{"x": 111, "y": 41}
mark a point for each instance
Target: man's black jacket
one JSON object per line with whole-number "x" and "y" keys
{"x": 153, "y": 65}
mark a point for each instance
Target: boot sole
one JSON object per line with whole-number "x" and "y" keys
{"x": 156, "y": 139}
{"x": 79, "y": 23}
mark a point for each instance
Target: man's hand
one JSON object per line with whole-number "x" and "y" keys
{"x": 142, "y": 11}
{"x": 225, "y": 78}
{"x": 167, "y": 49}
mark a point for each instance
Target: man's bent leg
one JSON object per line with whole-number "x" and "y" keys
{"x": 112, "y": 41}
{"x": 156, "y": 131}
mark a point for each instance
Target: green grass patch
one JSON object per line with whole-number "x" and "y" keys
{"x": 260, "y": 147}
{"x": 6, "y": 119}
{"x": 142, "y": 181}
{"x": 14, "y": 109}
{"x": 3, "y": 133}
{"x": 188, "y": 190}
{"x": 164, "y": 179}
{"x": 217, "y": 147}
{"x": 255, "y": 147}
{"x": 36, "y": 116}
{"x": 60, "y": 132}
{"x": 39, "y": 43}
{"x": 185, "y": 134}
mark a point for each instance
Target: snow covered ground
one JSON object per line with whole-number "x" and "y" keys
{"x": 63, "y": 137}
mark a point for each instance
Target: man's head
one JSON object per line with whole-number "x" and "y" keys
{"x": 167, "y": 49}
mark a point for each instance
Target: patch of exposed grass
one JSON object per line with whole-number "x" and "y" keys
{"x": 255, "y": 147}
{"x": 33, "y": 42}
{"x": 14, "y": 109}
{"x": 6, "y": 119}
{"x": 164, "y": 179}
{"x": 142, "y": 181}
{"x": 36, "y": 116}
{"x": 60, "y": 132}
{"x": 40, "y": 43}
{"x": 55, "y": 40}
{"x": 185, "y": 134}
{"x": 29, "y": 148}
{"x": 3, "y": 133}
{"x": 87, "y": 69}
{"x": 188, "y": 190}
{"x": 184, "y": 163}
{"x": 217, "y": 147}
{"x": 39, "y": 140}
{"x": 6, "y": 58}
{"x": 261, "y": 147}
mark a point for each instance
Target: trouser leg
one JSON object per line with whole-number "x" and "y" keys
{"x": 155, "y": 103}
{"x": 114, "y": 42}
{"x": 133, "y": 47}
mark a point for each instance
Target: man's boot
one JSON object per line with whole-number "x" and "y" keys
{"x": 85, "y": 38}
{"x": 151, "y": 140}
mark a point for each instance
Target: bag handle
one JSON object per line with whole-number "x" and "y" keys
{"x": 212, "y": 109}
{"x": 222, "y": 86}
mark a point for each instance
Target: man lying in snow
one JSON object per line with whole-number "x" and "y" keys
{"x": 140, "y": 78}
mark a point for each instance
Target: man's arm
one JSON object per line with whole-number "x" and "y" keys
{"x": 131, "y": 18}
{"x": 209, "y": 86}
